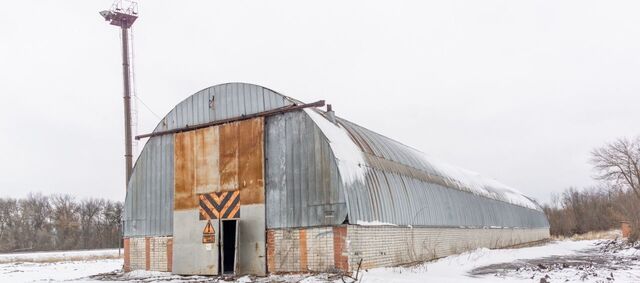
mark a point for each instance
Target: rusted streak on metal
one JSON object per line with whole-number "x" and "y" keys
{"x": 228, "y": 165}
{"x": 250, "y": 161}
{"x": 206, "y": 158}
{"x": 284, "y": 109}
{"x": 184, "y": 195}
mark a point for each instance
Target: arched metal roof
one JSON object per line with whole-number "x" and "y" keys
{"x": 393, "y": 183}
{"x": 381, "y": 179}
{"x": 149, "y": 199}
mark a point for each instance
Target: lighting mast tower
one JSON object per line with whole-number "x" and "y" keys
{"x": 123, "y": 14}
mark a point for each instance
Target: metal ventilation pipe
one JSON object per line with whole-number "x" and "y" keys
{"x": 330, "y": 114}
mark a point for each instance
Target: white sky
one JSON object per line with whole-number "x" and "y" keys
{"x": 517, "y": 90}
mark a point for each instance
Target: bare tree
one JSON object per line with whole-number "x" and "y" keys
{"x": 37, "y": 227}
{"x": 619, "y": 162}
{"x": 89, "y": 211}
{"x": 65, "y": 220}
{"x": 40, "y": 222}
{"x": 9, "y": 223}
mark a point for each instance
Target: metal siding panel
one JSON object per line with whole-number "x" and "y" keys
{"x": 294, "y": 140}
{"x": 289, "y": 172}
{"x": 390, "y": 199}
{"x": 233, "y": 95}
{"x": 242, "y": 107}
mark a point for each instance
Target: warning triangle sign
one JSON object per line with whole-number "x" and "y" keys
{"x": 208, "y": 229}
{"x": 208, "y": 234}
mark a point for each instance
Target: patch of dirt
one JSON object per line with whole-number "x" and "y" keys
{"x": 599, "y": 264}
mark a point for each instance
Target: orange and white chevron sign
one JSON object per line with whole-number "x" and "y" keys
{"x": 222, "y": 205}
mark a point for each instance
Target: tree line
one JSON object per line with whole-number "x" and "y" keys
{"x": 58, "y": 222}
{"x": 615, "y": 198}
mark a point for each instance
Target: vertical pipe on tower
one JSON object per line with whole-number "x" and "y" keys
{"x": 127, "y": 103}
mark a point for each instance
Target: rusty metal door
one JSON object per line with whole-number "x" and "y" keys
{"x": 196, "y": 232}
{"x": 219, "y": 174}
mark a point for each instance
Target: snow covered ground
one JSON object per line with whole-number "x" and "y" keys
{"x": 468, "y": 267}
{"x": 561, "y": 261}
{"x": 57, "y": 266}
{"x": 59, "y": 256}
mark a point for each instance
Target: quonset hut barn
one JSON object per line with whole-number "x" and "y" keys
{"x": 240, "y": 179}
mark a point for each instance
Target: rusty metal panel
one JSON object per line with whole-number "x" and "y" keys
{"x": 229, "y": 157}
{"x": 251, "y": 161}
{"x": 207, "y": 174}
{"x": 184, "y": 156}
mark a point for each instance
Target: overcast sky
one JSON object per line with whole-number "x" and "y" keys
{"x": 520, "y": 91}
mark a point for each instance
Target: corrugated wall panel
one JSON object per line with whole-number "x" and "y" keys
{"x": 398, "y": 190}
{"x": 301, "y": 174}
{"x": 402, "y": 200}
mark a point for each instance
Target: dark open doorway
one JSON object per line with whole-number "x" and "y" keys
{"x": 228, "y": 243}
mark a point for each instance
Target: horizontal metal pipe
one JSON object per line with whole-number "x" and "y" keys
{"x": 276, "y": 111}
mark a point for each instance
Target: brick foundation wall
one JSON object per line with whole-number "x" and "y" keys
{"x": 148, "y": 253}
{"x": 300, "y": 250}
{"x": 342, "y": 247}
{"x": 137, "y": 258}
{"x": 379, "y": 246}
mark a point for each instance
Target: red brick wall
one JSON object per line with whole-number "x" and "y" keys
{"x": 340, "y": 254}
{"x": 271, "y": 251}
{"x": 147, "y": 256}
{"x": 169, "y": 255}
{"x": 303, "y": 250}
{"x": 127, "y": 254}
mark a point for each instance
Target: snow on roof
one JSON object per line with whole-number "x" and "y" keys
{"x": 349, "y": 156}
{"x": 478, "y": 184}
{"x": 352, "y": 166}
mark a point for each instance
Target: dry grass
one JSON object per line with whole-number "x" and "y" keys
{"x": 595, "y": 235}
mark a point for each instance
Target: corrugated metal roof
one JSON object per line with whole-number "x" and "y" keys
{"x": 394, "y": 183}
{"x": 314, "y": 177}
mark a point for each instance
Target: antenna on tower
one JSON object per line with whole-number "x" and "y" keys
{"x": 123, "y": 14}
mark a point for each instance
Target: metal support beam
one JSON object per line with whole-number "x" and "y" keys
{"x": 276, "y": 111}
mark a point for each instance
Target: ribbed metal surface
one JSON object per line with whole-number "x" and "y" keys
{"x": 302, "y": 178}
{"x": 303, "y": 187}
{"x": 222, "y": 102}
{"x": 397, "y": 191}
{"x": 149, "y": 201}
